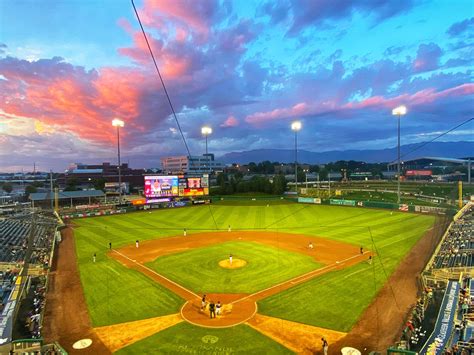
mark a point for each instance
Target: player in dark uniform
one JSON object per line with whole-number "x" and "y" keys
{"x": 212, "y": 309}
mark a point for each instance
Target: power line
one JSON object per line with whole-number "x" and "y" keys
{"x": 431, "y": 141}
{"x": 161, "y": 79}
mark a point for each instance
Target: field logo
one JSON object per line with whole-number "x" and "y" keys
{"x": 209, "y": 339}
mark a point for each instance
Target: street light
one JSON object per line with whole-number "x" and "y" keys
{"x": 205, "y": 131}
{"x": 399, "y": 111}
{"x": 306, "y": 178}
{"x": 296, "y": 126}
{"x": 119, "y": 124}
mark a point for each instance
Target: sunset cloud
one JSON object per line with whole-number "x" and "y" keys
{"x": 245, "y": 70}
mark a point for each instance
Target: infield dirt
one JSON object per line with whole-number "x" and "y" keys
{"x": 67, "y": 319}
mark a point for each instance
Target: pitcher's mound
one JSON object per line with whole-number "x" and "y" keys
{"x": 236, "y": 263}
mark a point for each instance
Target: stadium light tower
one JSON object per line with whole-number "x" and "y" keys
{"x": 399, "y": 111}
{"x": 296, "y": 126}
{"x": 205, "y": 131}
{"x": 119, "y": 124}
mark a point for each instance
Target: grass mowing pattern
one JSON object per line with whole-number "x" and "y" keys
{"x": 198, "y": 269}
{"x": 338, "y": 299}
{"x": 394, "y": 235}
{"x": 185, "y": 338}
{"x": 116, "y": 294}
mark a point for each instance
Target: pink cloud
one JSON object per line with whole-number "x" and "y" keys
{"x": 419, "y": 98}
{"x": 231, "y": 121}
{"x": 72, "y": 100}
{"x": 189, "y": 13}
{"x": 295, "y": 111}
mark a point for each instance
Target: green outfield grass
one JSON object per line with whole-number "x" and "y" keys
{"x": 185, "y": 338}
{"x": 198, "y": 269}
{"x": 335, "y": 300}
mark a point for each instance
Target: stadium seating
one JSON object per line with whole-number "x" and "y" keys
{"x": 457, "y": 249}
{"x": 14, "y": 235}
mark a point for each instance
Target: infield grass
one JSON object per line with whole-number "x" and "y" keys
{"x": 335, "y": 300}
{"x": 188, "y": 339}
{"x": 198, "y": 269}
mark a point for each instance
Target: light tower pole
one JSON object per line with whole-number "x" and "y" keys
{"x": 205, "y": 131}
{"x": 296, "y": 126}
{"x": 119, "y": 124}
{"x": 399, "y": 111}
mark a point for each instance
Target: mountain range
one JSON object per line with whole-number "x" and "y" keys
{"x": 409, "y": 151}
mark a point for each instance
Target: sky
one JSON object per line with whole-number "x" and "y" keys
{"x": 245, "y": 68}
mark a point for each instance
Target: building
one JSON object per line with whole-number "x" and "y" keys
{"x": 447, "y": 168}
{"x": 87, "y": 174}
{"x": 194, "y": 164}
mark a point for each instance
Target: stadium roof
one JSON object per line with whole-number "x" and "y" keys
{"x": 448, "y": 160}
{"x": 44, "y": 196}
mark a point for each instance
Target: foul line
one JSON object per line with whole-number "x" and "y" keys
{"x": 154, "y": 272}
{"x": 301, "y": 278}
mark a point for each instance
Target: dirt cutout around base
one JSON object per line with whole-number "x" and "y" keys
{"x": 298, "y": 337}
{"x": 236, "y": 264}
{"x": 118, "y": 336}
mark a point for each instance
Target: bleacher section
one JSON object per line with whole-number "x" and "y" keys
{"x": 14, "y": 235}
{"x": 457, "y": 249}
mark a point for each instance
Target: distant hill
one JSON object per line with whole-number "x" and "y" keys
{"x": 435, "y": 149}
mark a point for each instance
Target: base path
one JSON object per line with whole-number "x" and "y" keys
{"x": 120, "y": 335}
{"x": 298, "y": 337}
{"x": 237, "y": 308}
{"x": 66, "y": 318}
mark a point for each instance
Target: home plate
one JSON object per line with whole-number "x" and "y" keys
{"x": 82, "y": 344}
{"x": 337, "y": 262}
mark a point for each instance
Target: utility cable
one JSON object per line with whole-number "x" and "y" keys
{"x": 431, "y": 141}
{"x": 162, "y": 81}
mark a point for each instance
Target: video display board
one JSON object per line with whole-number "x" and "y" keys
{"x": 161, "y": 186}
{"x": 175, "y": 186}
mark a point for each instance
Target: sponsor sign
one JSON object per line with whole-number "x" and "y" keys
{"x": 419, "y": 173}
{"x": 139, "y": 201}
{"x": 361, "y": 174}
{"x": 157, "y": 200}
{"x": 193, "y": 192}
{"x": 403, "y": 208}
{"x": 309, "y": 200}
{"x": 444, "y": 323}
{"x": 428, "y": 209}
{"x": 342, "y": 202}
{"x": 87, "y": 207}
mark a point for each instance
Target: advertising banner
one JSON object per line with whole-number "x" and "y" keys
{"x": 419, "y": 173}
{"x": 193, "y": 192}
{"x": 342, "y": 202}
{"x": 428, "y": 209}
{"x": 309, "y": 200}
{"x": 444, "y": 323}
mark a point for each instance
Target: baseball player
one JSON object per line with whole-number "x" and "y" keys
{"x": 230, "y": 259}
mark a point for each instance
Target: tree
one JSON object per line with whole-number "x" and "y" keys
{"x": 7, "y": 187}
{"x": 99, "y": 184}
{"x": 71, "y": 185}
{"x": 279, "y": 184}
{"x": 30, "y": 189}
